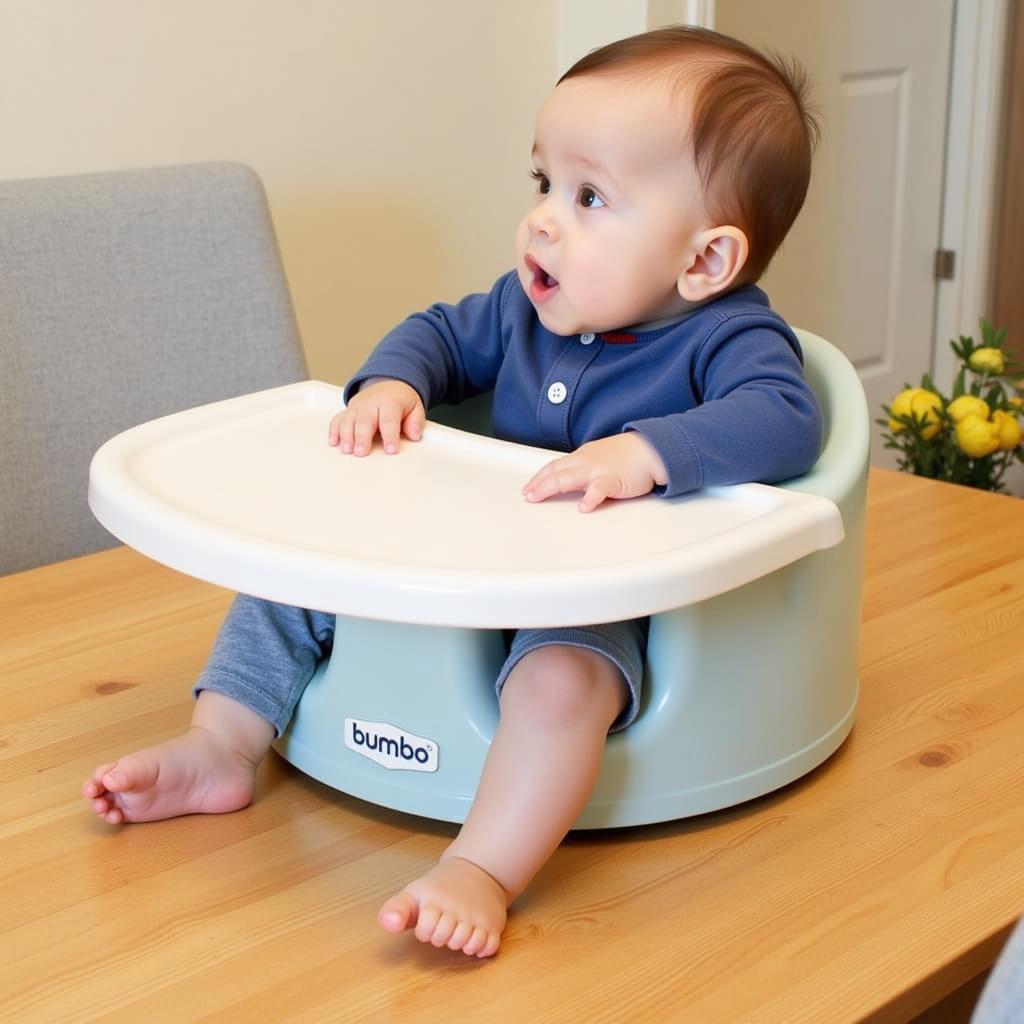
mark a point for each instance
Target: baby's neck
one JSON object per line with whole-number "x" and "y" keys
{"x": 657, "y": 325}
{"x": 676, "y": 318}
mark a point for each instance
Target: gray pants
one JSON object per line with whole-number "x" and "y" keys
{"x": 266, "y": 653}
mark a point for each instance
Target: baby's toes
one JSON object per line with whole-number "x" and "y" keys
{"x": 476, "y": 941}
{"x": 398, "y": 913}
{"x": 114, "y": 815}
{"x": 463, "y": 930}
{"x": 106, "y": 808}
{"x": 100, "y": 804}
{"x": 443, "y": 931}
{"x": 131, "y": 774}
{"x": 427, "y": 922}
{"x": 93, "y": 787}
{"x": 119, "y": 777}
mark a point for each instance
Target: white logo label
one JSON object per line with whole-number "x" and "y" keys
{"x": 390, "y": 747}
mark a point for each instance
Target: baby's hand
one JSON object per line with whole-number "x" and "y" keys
{"x": 622, "y": 466}
{"x": 388, "y": 407}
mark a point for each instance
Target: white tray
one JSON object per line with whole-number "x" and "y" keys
{"x": 247, "y": 494}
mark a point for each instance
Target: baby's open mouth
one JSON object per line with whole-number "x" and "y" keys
{"x": 542, "y": 284}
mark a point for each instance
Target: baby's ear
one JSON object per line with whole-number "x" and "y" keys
{"x": 717, "y": 257}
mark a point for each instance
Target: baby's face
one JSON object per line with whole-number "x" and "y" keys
{"x": 616, "y": 210}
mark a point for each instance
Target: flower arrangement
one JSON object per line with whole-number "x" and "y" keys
{"x": 970, "y": 438}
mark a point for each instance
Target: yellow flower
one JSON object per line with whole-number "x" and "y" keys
{"x": 986, "y": 360}
{"x": 916, "y": 402}
{"x": 1016, "y": 401}
{"x": 977, "y": 437}
{"x": 1008, "y": 430}
{"x": 965, "y": 405}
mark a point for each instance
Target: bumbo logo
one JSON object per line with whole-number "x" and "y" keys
{"x": 390, "y": 747}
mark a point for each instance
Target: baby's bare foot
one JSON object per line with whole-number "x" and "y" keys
{"x": 196, "y": 773}
{"x": 456, "y": 904}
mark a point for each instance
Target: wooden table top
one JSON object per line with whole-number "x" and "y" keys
{"x": 871, "y": 888}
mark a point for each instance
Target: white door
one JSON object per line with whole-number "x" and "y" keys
{"x": 858, "y": 267}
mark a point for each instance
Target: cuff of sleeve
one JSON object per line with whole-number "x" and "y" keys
{"x": 682, "y": 461}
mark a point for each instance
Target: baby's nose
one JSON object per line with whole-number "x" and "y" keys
{"x": 542, "y": 220}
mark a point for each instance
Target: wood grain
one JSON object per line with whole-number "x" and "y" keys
{"x": 868, "y": 890}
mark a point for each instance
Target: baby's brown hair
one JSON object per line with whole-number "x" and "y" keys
{"x": 752, "y": 132}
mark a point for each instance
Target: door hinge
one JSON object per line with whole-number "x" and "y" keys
{"x": 945, "y": 264}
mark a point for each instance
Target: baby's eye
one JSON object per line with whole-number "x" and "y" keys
{"x": 589, "y": 199}
{"x": 543, "y": 185}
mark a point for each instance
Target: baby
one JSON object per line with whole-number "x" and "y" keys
{"x": 668, "y": 169}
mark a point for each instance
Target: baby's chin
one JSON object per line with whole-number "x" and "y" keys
{"x": 562, "y": 325}
{"x": 557, "y": 327}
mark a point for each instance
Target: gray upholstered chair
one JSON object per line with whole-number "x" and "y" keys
{"x": 1002, "y": 999}
{"x": 124, "y": 296}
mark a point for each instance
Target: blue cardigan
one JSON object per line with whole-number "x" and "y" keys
{"x": 720, "y": 395}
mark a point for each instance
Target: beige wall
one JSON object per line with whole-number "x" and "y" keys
{"x": 798, "y": 280}
{"x": 393, "y": 136}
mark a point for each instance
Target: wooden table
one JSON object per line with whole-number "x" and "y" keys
{"x": 869, "y": 889}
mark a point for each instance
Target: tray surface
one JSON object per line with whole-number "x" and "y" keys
{"x": 247, "y": 493}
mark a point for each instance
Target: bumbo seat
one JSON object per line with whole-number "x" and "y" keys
{"x": 427, "y": 558}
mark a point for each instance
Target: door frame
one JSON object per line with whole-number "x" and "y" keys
{"x": 970, "y": 182}
{"x": 970, "y": 192}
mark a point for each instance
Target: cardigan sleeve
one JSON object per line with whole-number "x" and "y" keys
{"x": 758, "y": 420}
{"x": 446, "y": 353}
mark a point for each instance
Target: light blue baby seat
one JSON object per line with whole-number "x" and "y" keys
{"x": 743, "y": 693}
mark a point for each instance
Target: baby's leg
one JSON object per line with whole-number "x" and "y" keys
{"x": 556, "y": 707}
{"x": 264, "y": 656}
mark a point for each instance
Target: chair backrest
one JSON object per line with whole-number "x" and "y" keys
{"x": 124, "y": 296}
{"x": 841, "y": 470}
